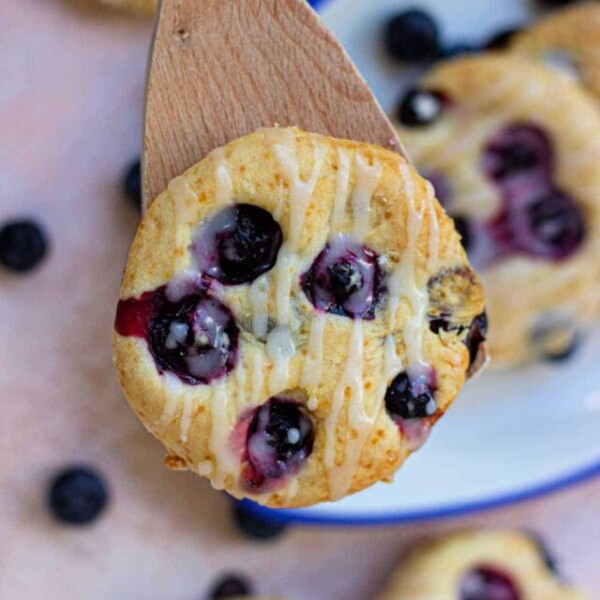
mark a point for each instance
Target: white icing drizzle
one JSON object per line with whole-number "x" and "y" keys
{"x": 186, "y": 418}
{"x": 342, "y": 181}
{"x": 257, "y": 379}
{"x": 359, "y": 423}
{"x": 434, "y": 231}
{"x": 240, "y": 374}
{"x": 224, "y": 185}
{"x": 184, "y": 207}
{"x": 280, "y": 348}
{"x": 312, "y": 403}
{"x": 224, "y": 459}
{"x": 367, "y": 178}
{"x": 313, "y": 363}
{"x": 205, "y": 468}
{"x": 173, "y": 393}
{"x": 403, "y": 282}
{"x": 259, "y": 298}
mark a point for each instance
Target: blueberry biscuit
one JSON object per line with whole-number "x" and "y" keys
{"x": 479, "y": 565}
{"x": 296, "y": 313}
{"x": 568, "y": 40}
{"x": 512, "y": 149}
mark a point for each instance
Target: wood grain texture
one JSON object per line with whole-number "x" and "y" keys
{"x": 223, "y": 68}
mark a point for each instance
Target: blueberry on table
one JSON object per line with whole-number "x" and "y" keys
{"x": 132, "y": 184}
{"x": 230, "y": 586}
{"x": 419, "y": 107}
{"x": 502, "y": 39}
{"x": 23, "y": 245}
{"x": 412, "y": 36}
{"x": 77, "y": 496}
{"x": 254, "y": 526}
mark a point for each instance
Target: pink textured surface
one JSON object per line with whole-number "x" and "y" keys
{"x": 70, "y": 108}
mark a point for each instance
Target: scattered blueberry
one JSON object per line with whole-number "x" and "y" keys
{"x": 231, "y": 586}
{"x": 132, "y": 184}
{"x": 280, "y": 438}
{"x": 502, "y": 39}
{"x": 420, "y": 107}
{"x": 458, "y": 49}
{"x": 412, "y": 36}
{"x": 476, "y": 336}
{"x": 254, "y": 526}
{"x": 345, "y": 279}
{"x": 547, "y": 557}
{"x": 408, "y": 399}
{"x": 238, "y": 244}
{"x": 77, "y": 496}
{"x": 23, "y": 245}
{"x": 487, "y": 583}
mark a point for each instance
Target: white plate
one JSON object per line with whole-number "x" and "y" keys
{"x": 509, "y": 436}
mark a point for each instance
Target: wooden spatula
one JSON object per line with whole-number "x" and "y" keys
{"x": 221, "y": 69}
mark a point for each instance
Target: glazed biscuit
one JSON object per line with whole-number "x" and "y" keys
{"x": 512, "y": 149}
{"x": 567, "y": 40}
{"x": 296, "y": 313}
{"x": 473, "y": 565}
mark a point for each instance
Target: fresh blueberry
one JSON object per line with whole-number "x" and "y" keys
{"x": 519, "y": 149}
{"x": 23, "y": 245}
{"x": 406, "y": 399}
{"x": 420, "y": 107}
{"x": 502, "y": 39}
{"x": 195, "y": 338}
{"x": 487, "y": 583}
{"x": 476, "y": 336}
{"x": 280, "y": 438}
{"x": 462, "y": 226}
{"x": 557, "y": 226}
{"x": 459, "y": 49}
{"x": 412, "y": 36}
{"x": 254, "y": 526}
{"x": 132, "y": 184}
{"x": 238, "y": 244}
{"x": 77, "y": 496}
{"x": 345, "y": 279}
{"x": 231, "y": 586}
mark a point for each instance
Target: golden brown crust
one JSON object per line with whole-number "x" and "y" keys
{"x": 257, "y": 177}
{"x": 490, "y": 92}
{"x": 435, "y": 569}
{"x": 140, "y": 7}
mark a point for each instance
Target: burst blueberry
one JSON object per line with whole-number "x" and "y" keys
{"x": 23, "y": 245}
{"x": 409, "y": 399}
{"x": 476, "y": 336}
{"x": 77, "y": 496}
{"x": 412, "y": 36}
{"x": 488, "y": 583}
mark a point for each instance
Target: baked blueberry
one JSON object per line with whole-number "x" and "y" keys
{"x": 502, "y": 39}
{"x": 488, "y": 583}
{"x": 410, "y": 399}
{"x": 238, "y": 244}
{"x": 345, "y": 279}
{"x": 412, "y": 36}
{"x": 420, "y": 107}
{"x": 23, "y": 245}
{"x": 77, "y": 496}
{"x": 132, "y": 184}
{"x": 195, "y": 338}
{"x": 556, "y": 226}
{"x": 280, "y": 438}
{"x": 476, "y": 336}
{"x": 231, "y": 586}
{"x": 254, "y": 526}
{"x": 517, "y": 150}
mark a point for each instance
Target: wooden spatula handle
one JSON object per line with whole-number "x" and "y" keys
{"x": 223, "y": 68}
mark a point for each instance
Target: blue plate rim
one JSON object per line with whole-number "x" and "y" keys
{"x": 312, "y": 516}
